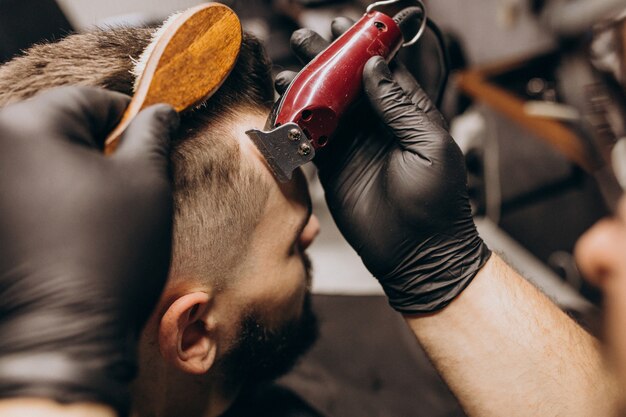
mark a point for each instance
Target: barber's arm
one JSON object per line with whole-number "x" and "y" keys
{"x": 85, "y": 246}
{"x": 397, "y": 191}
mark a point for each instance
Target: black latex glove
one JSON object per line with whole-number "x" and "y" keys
{"x": 85, "y": 243}
{"x": 395, "y": 183}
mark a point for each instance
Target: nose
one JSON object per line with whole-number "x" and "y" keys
{"x": 309, "y": 233}
{"x": 600, "y": 250}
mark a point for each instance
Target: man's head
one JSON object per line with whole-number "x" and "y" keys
{"x": 238, "y": 284}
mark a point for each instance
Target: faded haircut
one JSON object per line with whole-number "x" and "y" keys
{"x": 219, "y": 196}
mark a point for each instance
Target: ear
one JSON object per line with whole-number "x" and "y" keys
{"x": 187, "y": 333}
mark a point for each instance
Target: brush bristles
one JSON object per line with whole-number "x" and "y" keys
{"x": 139, "y": 65}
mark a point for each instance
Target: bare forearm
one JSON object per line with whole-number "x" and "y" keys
{"x": 36, "y": 407}
{"x": 505, "y": 349}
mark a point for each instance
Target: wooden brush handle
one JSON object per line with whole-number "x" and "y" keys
{"x": 113, "y": 140}
{"x": 190, "y": 61}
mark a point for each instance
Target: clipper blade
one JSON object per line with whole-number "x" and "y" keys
{"x": 284, "y": 148}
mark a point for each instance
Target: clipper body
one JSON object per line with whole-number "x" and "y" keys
{"x": 309, "y": 112}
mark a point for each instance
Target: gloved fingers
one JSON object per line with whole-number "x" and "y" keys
{"x": 282, "y": 81}
{"x": 80, "y": 114}
{"x": 409, "y": 124}
{"x": 148, "y": 137}
{"x": 306, "y": 44}
{"x": 416, "y": 94}
{"x": 339, "y": 25}
{"x": 357, "y": 142}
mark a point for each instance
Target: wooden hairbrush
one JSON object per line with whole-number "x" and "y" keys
{"x": 189, "y": 59}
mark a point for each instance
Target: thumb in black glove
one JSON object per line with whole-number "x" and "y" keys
{"x": 85, "y": 243}
{"x": 395, "y": 183}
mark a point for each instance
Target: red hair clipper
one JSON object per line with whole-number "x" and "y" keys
{"x": 307, "y": 115}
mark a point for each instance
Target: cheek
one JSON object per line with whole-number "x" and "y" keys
{"x": 601, "y": 256}
{"x": 609, "y": 265}
{"x": 598, "y": 251}
{"x": 310, "y": 232}
{"x": 279, "y": 293}
{"x": 291, "y": 288}
{"x": 615, "y": 325}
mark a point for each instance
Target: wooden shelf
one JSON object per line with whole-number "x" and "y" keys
{"x": 476, "y": 84}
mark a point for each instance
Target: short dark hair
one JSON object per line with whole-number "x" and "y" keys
{"x": 219, "y": 197}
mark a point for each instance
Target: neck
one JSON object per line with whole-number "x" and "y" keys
{"x": 161, "y": 391}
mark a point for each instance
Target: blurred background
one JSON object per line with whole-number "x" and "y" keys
{"x": 535, "y": 97}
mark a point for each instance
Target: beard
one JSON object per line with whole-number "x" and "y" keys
{"x": 262, "y": 354}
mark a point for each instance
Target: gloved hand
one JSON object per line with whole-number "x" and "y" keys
{"x": 85, "y": 243}
{"x": 395, "y": 183}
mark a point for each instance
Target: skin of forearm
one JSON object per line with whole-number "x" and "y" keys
{"x": 37, "y": 407}
{"x": 505, "y": 349}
